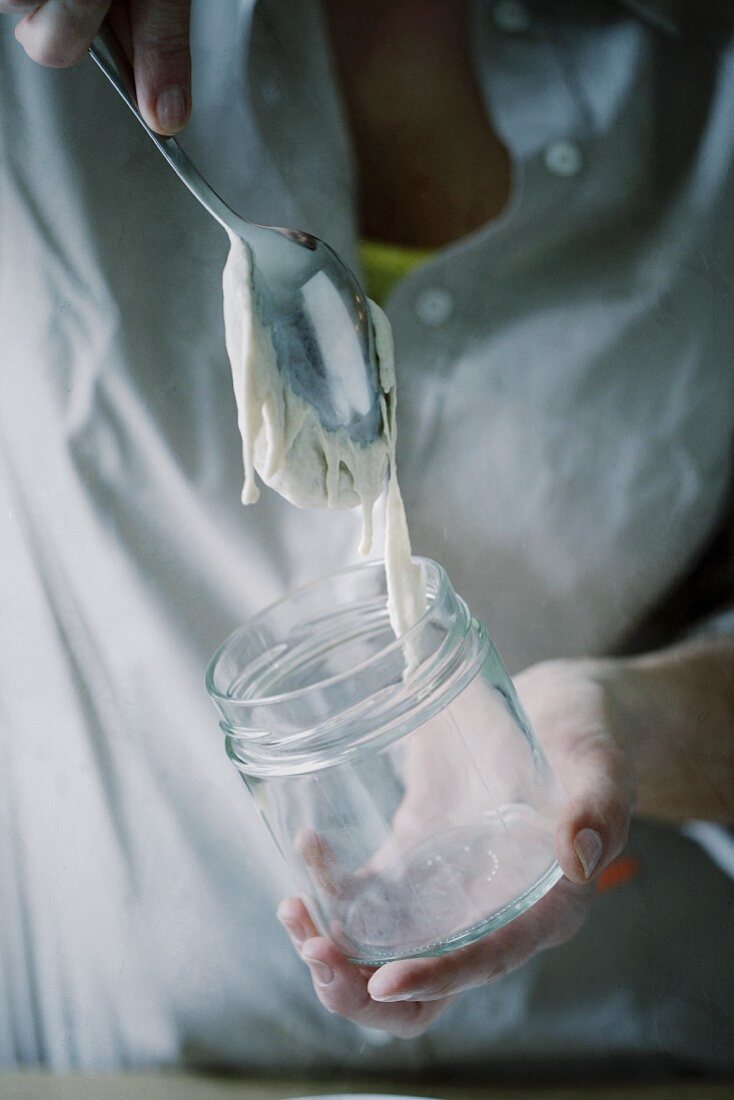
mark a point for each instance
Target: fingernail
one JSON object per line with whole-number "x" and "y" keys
{"x": 295, "y": 928}
{"x": 321, "y": 972}
{"x": 170, "y": 108}
{"x": 376, "y": 992}
{"x": 588, "y": 848}
{"x": 383, "y": 998}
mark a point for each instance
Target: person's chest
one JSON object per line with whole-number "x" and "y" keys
{"x": 430, "y": 166}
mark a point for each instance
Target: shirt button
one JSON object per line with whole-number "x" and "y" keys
{"x": 563, "y": 158}
{"x": 511, "y": 16}
{"x": 434, "y": 306}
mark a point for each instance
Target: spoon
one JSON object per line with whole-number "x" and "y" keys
{"x": 316, "y": 311}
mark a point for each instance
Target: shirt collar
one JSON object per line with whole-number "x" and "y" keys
{"x": 665, "y": 15}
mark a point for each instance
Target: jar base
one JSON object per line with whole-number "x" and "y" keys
{"x": 444, "y": 894}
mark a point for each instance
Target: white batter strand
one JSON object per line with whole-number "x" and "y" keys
{"x": 284, "y": 441}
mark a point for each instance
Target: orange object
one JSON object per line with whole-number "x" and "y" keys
{"x": 618, "y": 873}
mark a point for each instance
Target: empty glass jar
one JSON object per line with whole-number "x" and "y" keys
{"x": 399, "y": 778}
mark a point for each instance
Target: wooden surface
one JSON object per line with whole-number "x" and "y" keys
{"x": 32, "y": 1085}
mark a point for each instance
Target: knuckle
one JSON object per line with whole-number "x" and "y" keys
{"x": 166, "y": 45}
{"x": 613, "y": 812}
{"x": 618, "y": 818}
{"x": 604, "y": 801}
{"x": 53, "y": 52}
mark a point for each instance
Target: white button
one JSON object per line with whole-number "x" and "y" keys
{"x": 511, "y": 16}
{"x": 563, "y": 158}
{"x": 434, "y": 306}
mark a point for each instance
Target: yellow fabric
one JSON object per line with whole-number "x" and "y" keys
{"x": 385, "y": 264}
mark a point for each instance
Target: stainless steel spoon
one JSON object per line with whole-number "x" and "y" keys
{"x": 315, "y": 309}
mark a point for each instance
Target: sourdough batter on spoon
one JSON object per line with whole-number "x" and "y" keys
{"x": 284, "y": 441}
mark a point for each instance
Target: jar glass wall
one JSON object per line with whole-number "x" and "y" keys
{"x": 399, "y": 778}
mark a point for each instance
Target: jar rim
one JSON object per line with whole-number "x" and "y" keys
{"x": 427, "y": 564}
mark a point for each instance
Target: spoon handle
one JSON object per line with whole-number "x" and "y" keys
{"x": 304, "y": 295}
{"x": 109, "y": 55}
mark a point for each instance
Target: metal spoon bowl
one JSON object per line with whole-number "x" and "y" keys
{"x": 314, "y": 307}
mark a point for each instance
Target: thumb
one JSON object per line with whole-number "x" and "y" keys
{"x": 593, "y": 825}
{"x": 162, "y": 62}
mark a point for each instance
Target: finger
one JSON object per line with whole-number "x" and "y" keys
{"x": 342, "y": 989}
{"x": 592, "y": 826}
{"x": 345, "y": 991}
{"x": 321, "y": 862}
{"x": 160, "y": 39}
{"x": 59, "y": 32}
{"x": 553, "y": 920}
{"x": 296, "y": 919}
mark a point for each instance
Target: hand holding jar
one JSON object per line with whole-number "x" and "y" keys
{"x": 571, "y": 709}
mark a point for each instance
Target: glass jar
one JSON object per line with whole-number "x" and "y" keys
{"x": 399, "y": 778}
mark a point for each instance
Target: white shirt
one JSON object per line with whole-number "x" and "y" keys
{"x": 571, "y": 361}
